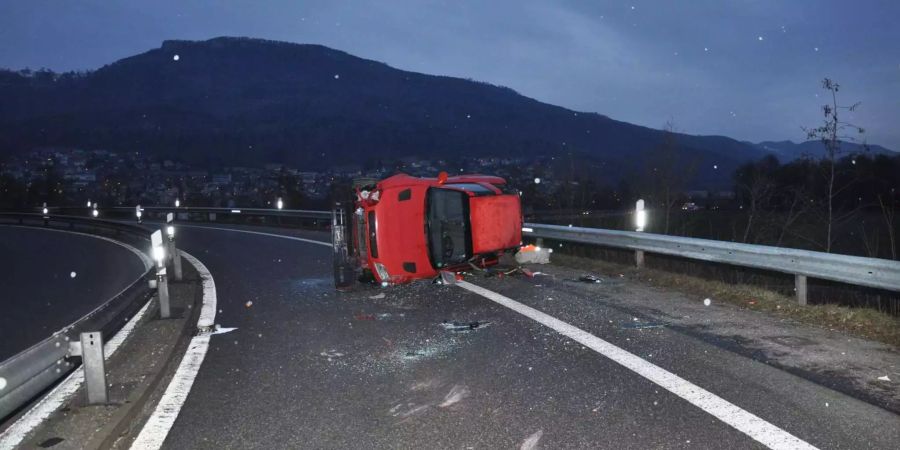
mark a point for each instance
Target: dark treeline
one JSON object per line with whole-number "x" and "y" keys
{"x": 788, "y": 204}
{"x": 772, "y": 204}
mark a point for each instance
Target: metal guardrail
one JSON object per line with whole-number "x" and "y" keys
{"x": 854, "y": 270}
{"x": 30, "y": 372}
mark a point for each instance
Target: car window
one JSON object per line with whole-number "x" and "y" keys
{"x": 474, "y": 188}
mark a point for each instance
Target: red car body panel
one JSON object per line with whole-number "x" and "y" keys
{"x": 492, "y": 222}
{"x": 400, "y": 233}
{"x": 399, "y": 208}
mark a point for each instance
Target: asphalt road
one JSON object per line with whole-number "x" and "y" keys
{"x": 39, "y": 295}
{"x": 309, "y": 367}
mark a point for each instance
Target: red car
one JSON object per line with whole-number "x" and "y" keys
{"x": 405, "y": 228}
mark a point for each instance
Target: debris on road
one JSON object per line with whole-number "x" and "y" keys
{"x": 222, "y": 330}
{"x": 379, "y": 316}
{"x": 448, "y": 278}
{"x": 463, "y": 327}
{"x": 72, "y": 275}
{"x": 531, "y": 442}
{"x": 590, "y": 279}
{"x": 643, "y": 325}
{"x": 249, "y": 303}
{"x": 457, "y": 393}
{"x": 377, "y": 296}
{"x": 532, "y": 254}
{"x": 707, "y": 302}
{"x": 331, "y": 354}
{"x": 884, "y": 378}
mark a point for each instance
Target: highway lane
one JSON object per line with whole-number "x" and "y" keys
{"x": 377, "y": 368}
{"x": 38, "y": 292}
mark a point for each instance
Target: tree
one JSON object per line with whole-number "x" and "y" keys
{"x": 755, "y": 185}
{"x": 832, "y": 133}
{"x": 668, "y": 173}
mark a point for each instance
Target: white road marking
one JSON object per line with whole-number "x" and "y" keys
{"x": 157, "y": 427}
{"x": 745, "y": 422}
{"x": 16, "y": 433}
{"x": 25, "y": 424}
{"x": 293, "y": 238}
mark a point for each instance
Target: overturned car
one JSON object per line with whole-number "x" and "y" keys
{"x": 405, "y": 228}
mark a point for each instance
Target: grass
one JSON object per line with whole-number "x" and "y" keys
{"x": 862, "y": 322}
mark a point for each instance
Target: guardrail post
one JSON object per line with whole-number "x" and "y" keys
{"x": 800, "y": 287}
{"x": 94, "y": 367}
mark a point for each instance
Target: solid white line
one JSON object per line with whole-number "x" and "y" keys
{"x": 157, "y": 427}
{"x": 208, "y": 310}
{"x": 293, "y": 238}
{"x": 17, "y": 432}
{"x": 745, "y": 422}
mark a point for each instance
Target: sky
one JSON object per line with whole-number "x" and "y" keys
{"x": 748, "y": 69}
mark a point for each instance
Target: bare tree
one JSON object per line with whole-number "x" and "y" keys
{"x": 832, "y": 133}
{"x": 755, "y": 184}
{"x": 668, "y": 173}
{"x": 889, "y": 214}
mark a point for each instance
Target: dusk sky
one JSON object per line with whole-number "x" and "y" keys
{"x": 749, "y": 69}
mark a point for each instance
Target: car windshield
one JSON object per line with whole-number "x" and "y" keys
{"x": 447, "y": 227}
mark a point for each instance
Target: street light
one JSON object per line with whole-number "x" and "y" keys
{"x": 177, "y": 203}
{"x": 170, "y": 231}
{"x": 94, "y": 212}
{"x": 280, "y": 203}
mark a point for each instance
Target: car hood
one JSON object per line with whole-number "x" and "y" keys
{"x": 496, "y": 222}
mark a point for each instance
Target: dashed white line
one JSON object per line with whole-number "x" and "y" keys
{"x": 157, "y": 427}
{"x": 744, "y": 421}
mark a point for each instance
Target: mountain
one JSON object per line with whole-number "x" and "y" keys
{"x": 249, "y": 101}
{"x": 788, "y": 151}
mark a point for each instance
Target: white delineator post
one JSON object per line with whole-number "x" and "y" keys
{"x": 162, "y": 285}
{"x": 640, "y": 221}
{"x": 173, "y": 249}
